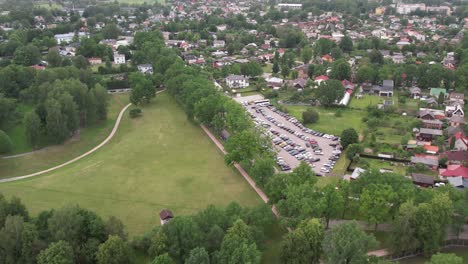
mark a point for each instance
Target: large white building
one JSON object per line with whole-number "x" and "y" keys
{"x": 237, "y": 81}
{"x": 68, "y": 37}
{"x": 119, "y": 58}
{"x": 405, "y": 9}
{"x": 289, "y": 6}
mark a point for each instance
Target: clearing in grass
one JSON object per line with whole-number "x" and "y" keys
{"x": 159, "y": 160}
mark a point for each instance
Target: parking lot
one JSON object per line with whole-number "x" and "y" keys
{"x": 293, "y": 141}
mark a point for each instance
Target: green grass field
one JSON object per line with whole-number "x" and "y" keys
{"x": 54, "y": 155}
{"x": 365, "y": 101}
{"x": 160, "y": 160}
{"x": 328, "y": 122}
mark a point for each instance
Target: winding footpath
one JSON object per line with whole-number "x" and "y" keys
{"x": 111, "y": 135}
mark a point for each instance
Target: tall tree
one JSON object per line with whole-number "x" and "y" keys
{"x": 332, "y": 203}
{"x": 56, "y": 124}
{"x": 341, "y": 70}
{"x": 349, "y": 136}
{"x": 27, "y": 55}
{"x": 6, "y": 145}
{"x": 346, "y": 44}
{"x": 347, "y": 243}
{"x": 446, "y": 258}
{"x": 262, "y": 169}
{"x": 114, "y": 251}
{"x": 57, "y": 253}
{"x": 329, "y": 92}
{"x": 33, "y": 126}
{"x": 53, "y": 58}
{"x": 303, "y": 245}
{"x": 163, "y": 259}
{"x": 182, "y": 235}
{"x": 375, "y": 203}
{"x": 238, "y": 246}
{"x": 198, "y": 256}
{"x": 404, "y": 230}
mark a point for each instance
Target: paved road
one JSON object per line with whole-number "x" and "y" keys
{"x": 111, "y": 135}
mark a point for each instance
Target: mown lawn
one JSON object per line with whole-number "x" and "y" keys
{"x": 329, "y": 122}
{"x": 382, "y": 164}
{"x": 160, "y": 160}
{"x": 365, "y": 101}
{"x": 54, "y": 155}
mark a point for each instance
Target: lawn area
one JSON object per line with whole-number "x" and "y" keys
{"x": 54, "y": 155}
{"x": 328, "y": 122}
{"x": 365, "y": 101}
{"x": 341, "y": 165}
{"x": 381, "y": 164}
{"x": 459, "y": 251}
{"x": 160, "y": 160}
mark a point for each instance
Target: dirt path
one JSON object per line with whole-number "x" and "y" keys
{"x": 111, "y": 135}
{"x": 244, "y": 174}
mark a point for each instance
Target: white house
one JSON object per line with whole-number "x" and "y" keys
{"x": 219, "y": 44}
{"x": 119, "y": 58}
{"x": 145, "y": 68}
{"x": 237, "y": 81}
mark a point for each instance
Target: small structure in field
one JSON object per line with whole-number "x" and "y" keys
{"x": 165, "y": 216}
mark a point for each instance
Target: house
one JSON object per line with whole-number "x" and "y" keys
{"x": 398, "y": 58}
{"x": 433, "y": 124}
{"x": 237, "y": 81}
{"x": 356, "y": 173}
{"x": 327, "y": 58}
{"x": 458, "y": 98}
{"x": 387, "y": 88}
{"x": 274, "y": 82}
{"x": 68, "y": 37}
{"x": 458, "y": 176}
{"x": 165, "y": 216}
{"x": 219, "y": 44}
{"x": 436, "y": 91}
{"x": 348, "y": 85}
{"x": 283, "y": 6}
{"x": 299, "y": 83}
{"x": 431, "y": 114}
{"x": 457, "y": 110}
{"x": 427, "y": 134}
{"x": 94, "y": 61}
{"x": 322, "y": 78}
{"x": 456, "y": 121}
{"x": 461, "y": 142}
{"x": 455, "y": 157}
{"x": 422, "y": 180}
{"x": 429, "y": 162}
{"x": 431, "y": 149}
{"x": 119, "y": 58}
{"x": 145, "y": 68}
{"x": 415, "y": 92}
{"x": 302, "y": 71}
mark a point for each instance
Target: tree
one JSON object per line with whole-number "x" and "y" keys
{"x": 114, "y": 227}
{"x": 276, "y": 67}
{"x": 111, "y": 31}
{"x": 349, "y": 136}
{"x": 332, "y": 203}
{"x": 441, "y": 98}
{"x": 53, "y": 58}
{"x": 113, "y": 251}
{"x": 347, "y": 243}
{"x": 329, "y": 92}
{"x": 163, "y": 259}
{"x": 262, "y": 170}
{"x": 242, "y": 146}
{"x": 404, "y": 230}
{"x": 346, "y": 44}
{"x": 182, "y": 235}
{"x": 303, "y": 245}
{"x": 310, "y": 116}
{"x": 142, "y": 89}
{"x": 198, "y": 255}
{"x": 158, "y": 244}
{"x": 6, "y": 145}
{"x": 375, "y": 203}
{"x": 56, "y": 124}
{"x": 102, "y": 99}
{"x": 306, "y": 54}
{"x": 352, "y": 150}
{"x": 10, "y": 239}
{"x": 252, "y": 68}
{"x": 27, "y": 55}
{"x": 365, "y": 73}
{"x": 80, "y": 62}
{"x": 57, "y": 253}
{"x": 33, "y": 127}
{"x": 311, "y": 71}
{"x": 341, "y": 70}
{"x": 323, "y": 46}
{"x": 285, "y": 70}
{"x": 446, "y": 258}
{"x": 238, "y": 246}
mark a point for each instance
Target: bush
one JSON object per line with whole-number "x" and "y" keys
{"x": 310, "y": 116}
{"x": 5, "y": 143}
{"x": 135, "y": 112}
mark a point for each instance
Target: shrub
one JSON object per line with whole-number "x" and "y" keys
{"x": 310, "y": 116}
{"x": 135, "y": 112}
{"x": 5, "y": 143}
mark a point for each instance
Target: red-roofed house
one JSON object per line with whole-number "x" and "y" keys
{"x": 457, "y": 177}
{"x": 456, "y": 157}
{"x": 320, "y": 79}
{"x": 461, "y": 142}
{"x": 431, "y": 149}
{"x": 327, "y": 58}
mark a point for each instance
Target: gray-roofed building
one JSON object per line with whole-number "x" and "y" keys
{"x": 432, "y": 163}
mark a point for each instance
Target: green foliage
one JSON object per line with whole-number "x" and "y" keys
{"x": 135, "y": 112}
{"x": 142, "y": 89}
{"x": 243, "y": 146}
{"x": 347, "y": 243}
{"x": 111, "y": 31}
{"x": 163, "y": 259}
{"x": 446, "y": 258}
{"x": 374, "y": 203}
{"x": 310, "y": 116}
{"x": 6, "y": 145}
{"x": 349, "y": 136}
{"x": 352, "y": 150}
{"x": 57, "y": 253}
{"x": 33, "y": 127}
{"x": 304, "y": 244}
{"x": 346, "y": 44}
{"x": 114, "y": 251}
{"x": 27, "y": 55}
{"x": 198, "y": 255}
{"x": 329, "y": 92}
{"x": 262, "y": 170}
